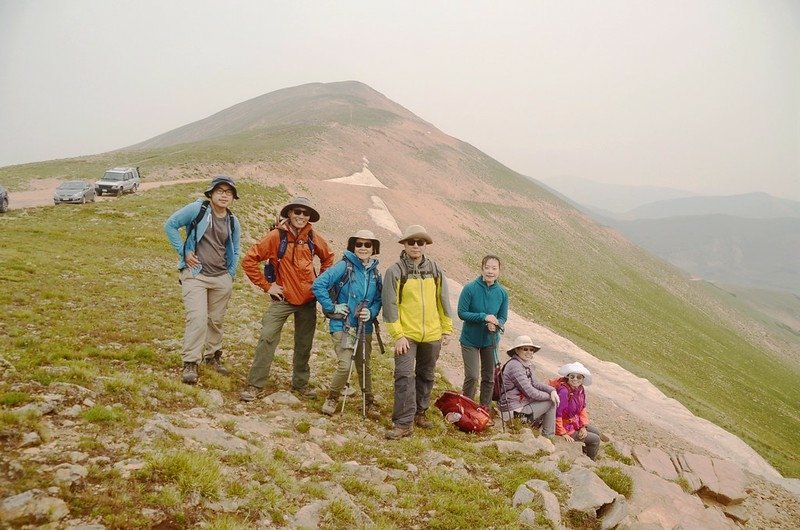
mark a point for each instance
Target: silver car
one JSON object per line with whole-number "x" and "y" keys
{"x": 74, "y": 191}
{"x": 3, "y": 200}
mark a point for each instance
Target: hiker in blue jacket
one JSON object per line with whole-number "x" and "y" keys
{"x": 207, "y": 262}
{"x": 355, "y": 285}
{"x": 483, "y": 306}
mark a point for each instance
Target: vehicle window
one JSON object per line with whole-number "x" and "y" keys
{"x": 113, "y": 177}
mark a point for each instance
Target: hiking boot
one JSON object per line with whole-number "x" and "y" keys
{"x": 329, "y": 407}
{"x": 305, "y": 392}
{"x": 251, "y": 393}
{"x": 423, "y": 422}
{"x": 189, "y": 375}
{"x": 215, "y": 363}
{"x": 397, "y": 432}
{"x": 373, "y": 412}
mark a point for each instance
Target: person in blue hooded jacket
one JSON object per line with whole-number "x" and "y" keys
{"x": 207, "y": 261}
{"x": 356, "y": 284}
{"x": 483, "y": 306}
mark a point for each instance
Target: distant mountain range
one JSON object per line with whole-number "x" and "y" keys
{"x": 750, "y": 240}
{"x": 610, "y": 199}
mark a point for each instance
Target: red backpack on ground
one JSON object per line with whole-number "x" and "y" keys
{"x": 462, "y": 412}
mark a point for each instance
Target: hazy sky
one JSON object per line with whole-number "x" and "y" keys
{"x": 698, "y": 95}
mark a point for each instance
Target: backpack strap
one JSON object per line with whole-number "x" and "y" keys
{"x": 192, "y": 228}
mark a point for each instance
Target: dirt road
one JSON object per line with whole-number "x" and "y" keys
{"x": 42, "y": 194}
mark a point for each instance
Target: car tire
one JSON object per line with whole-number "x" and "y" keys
{"x": 4, "y": 205}
{"x": 99, "y": 192}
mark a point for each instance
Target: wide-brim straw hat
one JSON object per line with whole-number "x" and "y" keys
{"x": 303, "y": 202}
{"x": 221, "y": 179}
{"x": 364, "y": 234}
{"x": 522, "y": 340}
{"x": 416, "y": 232}
{"x": 576, "y": 368}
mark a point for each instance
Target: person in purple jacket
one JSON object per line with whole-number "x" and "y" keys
{"x": 522, "y": 394}
{"x": 572, "y": 421}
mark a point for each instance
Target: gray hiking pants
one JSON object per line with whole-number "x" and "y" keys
{"x": 478, "y": 361}
{"x": 414, "y": 374}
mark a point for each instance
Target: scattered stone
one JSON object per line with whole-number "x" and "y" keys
{"x": 68, "y": 474}
{"x": 655, "y": 461}
{"x": 737, "y": 512}
{"x": 71, "y": 388}
{"x": 371, "y": 474}
{"x": 32, "y": 506}
{"x": 30, "y": 439}
{"x": 587, "y": 491}
{"x": 29, "y": 409}
{"x": 387, "y": 490}
{"x": 527, "y": 518}
{"x": 89, "y": 402}
{"x": 87, "y": 527}
{"x": 308, "y": 516}
{"x": 316, "y": 433}
{"x": 622, "y": 448}
{"x": 77, "y": 456}
{"x": 282, "y": 398}
{"x": 612, "y": 514}
{"x": 72, "y": 412}
{"x": 722, "y": 480}
{"x": 100, "y": 461}
{"x": 523, "y": 495}
{"x": 411, "y": 468}
{"x": 214, "y": 398}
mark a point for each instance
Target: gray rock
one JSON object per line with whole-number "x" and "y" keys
{"x": 32, "y": 505}
{"x": 68, "y": 474}
{"x": 622, "y": 448}
{"x": 215, "y": 398}
{"x": 29, "y": 409}
{"x": 371, "y": 474}
{"x": 316, "y": 433}
{"x": 523, "y": 495}
{"x": 87, "y": 527}
{"x": 587, "y": 491}
{"x": 527, "y": 519}
{"x": 282, "y": 398}
{"x": 722, "y": 480}
{"x": 387, "y": 490}
{"x": 72, "y": 412}
{"x": 77, "y": 456}
{"x": 88, "y": 402}
{"x": 655, "y": 461}
{"x": 612, "y": 514}
{"x": 737, "y": 513}
{"x": 30, "y": 439}
{"x": 541, "y": 490}
{"x": 308, "y": 517}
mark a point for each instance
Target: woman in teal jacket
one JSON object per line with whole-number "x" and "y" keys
{"x": 356, "y": 285}
{"x": 483, "y": 306}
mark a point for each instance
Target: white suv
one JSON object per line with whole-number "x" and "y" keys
{"x": 118, "y": 180}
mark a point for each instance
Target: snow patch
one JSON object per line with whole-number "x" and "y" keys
{"x": 365, "y": 177}
{"x": 382, "y": 217}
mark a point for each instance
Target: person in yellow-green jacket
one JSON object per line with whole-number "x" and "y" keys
{"x": 416, "y": 313}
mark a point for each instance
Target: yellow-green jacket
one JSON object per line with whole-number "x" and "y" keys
{"x": 419, "y": 309}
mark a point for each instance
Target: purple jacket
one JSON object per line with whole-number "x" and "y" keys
{"x": 520, "y": 387}
{"x": 571, "y": 412}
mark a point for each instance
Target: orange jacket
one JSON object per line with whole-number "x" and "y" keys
{"x": 295, "y": 271}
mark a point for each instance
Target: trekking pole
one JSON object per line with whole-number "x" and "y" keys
{"x": 363, "y": 336}
{"x": 349, "y": 369}
{"x": 502, "y": 383}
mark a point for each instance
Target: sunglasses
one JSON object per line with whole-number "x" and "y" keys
{"x": 576, "y": 376}
{"x": 300, "y": 211}
{"x": 527, "y": 348}
{"x": 365, "y": 244}
{"x": 415, "y": 242}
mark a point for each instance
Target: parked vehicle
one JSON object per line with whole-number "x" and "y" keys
{"x": 74, "y": 191}
{"x": 118, "y": 180}
{"x": 3, "y": 200}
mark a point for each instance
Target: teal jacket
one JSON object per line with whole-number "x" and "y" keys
{"x": 475, "y": 302}
{"x": 183, "y": 218}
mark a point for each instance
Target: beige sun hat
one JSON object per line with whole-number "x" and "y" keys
{"x": 364, "y": 234}
{"x": 303, "y": 202}
{"x": 522, "y": 340}
{"x": 416, "y": 232}
{"x": 576, "y": 368}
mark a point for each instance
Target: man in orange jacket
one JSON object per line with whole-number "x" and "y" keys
{"x": 290, "y": 293}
